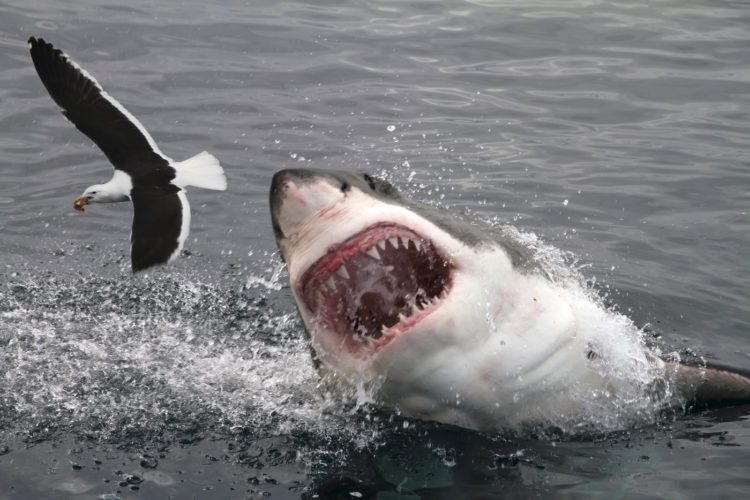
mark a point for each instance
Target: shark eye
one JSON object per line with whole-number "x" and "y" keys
{"x": 371, "y": 182}
{"x": 345, "y": 186}
{"x": 379, "y": 185}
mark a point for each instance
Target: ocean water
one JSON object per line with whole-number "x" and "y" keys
{"x": 616, "y": 132}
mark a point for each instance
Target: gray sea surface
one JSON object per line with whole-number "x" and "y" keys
{"x": 616, "y": 131}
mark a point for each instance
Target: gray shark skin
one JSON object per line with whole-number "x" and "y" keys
{"x": 442, "y": 319}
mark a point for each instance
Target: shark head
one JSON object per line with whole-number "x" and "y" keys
{"x": 445, "y": 320}
{"x": 398, "y": 292}
{"x": 365, "y": 267}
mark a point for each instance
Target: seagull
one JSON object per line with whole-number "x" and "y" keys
{"x": 143, "y": 174}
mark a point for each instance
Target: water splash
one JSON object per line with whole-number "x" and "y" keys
{"x": 156, "y": 357}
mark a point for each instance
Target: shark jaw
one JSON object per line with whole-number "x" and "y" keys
{"x": 375, "y": 285}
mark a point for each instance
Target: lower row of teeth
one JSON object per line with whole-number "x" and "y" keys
{"x": 413, "y": 307}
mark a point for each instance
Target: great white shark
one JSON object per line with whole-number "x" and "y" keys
{"x": 448, "y": 320}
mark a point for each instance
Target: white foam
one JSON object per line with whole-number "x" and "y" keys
{"x": 630, "y": 368}
{"x": 138, "y": 351}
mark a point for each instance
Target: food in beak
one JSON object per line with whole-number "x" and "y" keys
{"x": 80, "y": 202}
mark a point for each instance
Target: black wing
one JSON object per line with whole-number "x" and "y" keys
{"x": 94, "y": 112}
{"x": 161, "y": 220}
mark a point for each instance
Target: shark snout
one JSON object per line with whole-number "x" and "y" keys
{"x": 296, "y": 195}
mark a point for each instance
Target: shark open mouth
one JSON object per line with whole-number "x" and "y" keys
{"x": 383, "y": 277}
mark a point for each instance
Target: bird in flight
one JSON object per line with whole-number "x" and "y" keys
{"x": 143, "y": 174}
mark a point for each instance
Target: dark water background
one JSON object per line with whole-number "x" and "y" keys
{"x": 617, "y": 131}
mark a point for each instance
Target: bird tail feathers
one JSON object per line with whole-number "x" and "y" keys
{"x": 202, "y": 170}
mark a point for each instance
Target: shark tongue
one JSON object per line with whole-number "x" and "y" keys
{"x": 373, "y": 281}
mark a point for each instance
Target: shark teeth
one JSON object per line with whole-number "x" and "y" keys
{"x": 400, "y": 242}
{"x": 397, "y": 242}
{"x": 377, "y": 285}
{"x": 341, "y": 271}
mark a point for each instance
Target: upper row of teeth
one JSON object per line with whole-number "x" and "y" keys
{"x": 394, "y": 241}
{"x": 375, "y": 254}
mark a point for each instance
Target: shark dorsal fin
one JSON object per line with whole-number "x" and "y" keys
{"x": 711, "y": 384}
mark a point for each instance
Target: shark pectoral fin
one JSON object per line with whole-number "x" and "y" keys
{"x": 711, "y": 384}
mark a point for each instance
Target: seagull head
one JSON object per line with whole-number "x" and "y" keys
{"x": 89, "y": 196}
{"x": 98, "y": 193}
